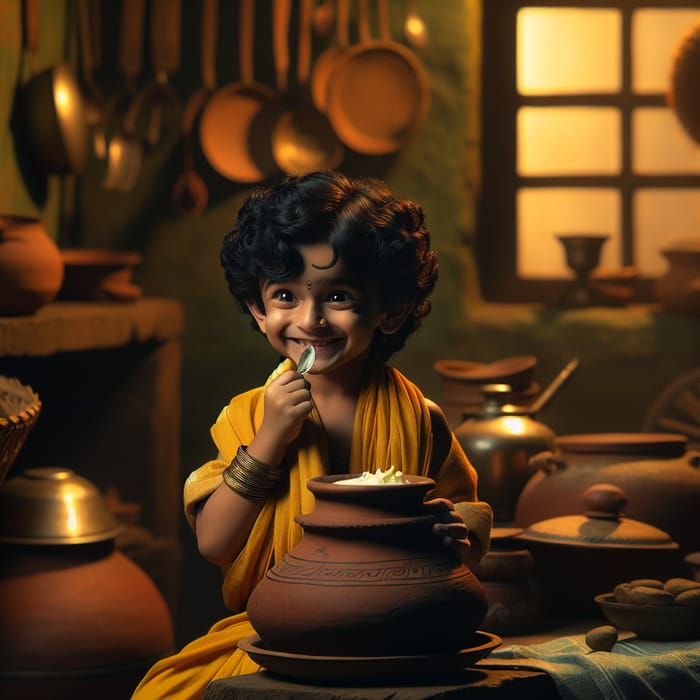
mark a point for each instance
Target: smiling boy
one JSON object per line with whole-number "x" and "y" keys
{"x": 344, "y": 266}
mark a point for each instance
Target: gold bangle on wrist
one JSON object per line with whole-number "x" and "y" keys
{"x": 249, "y": 477}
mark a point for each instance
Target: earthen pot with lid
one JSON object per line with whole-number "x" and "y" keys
{"x": 368, "y": 578}
{"x": 580, "y": 556}
{"x": 77, "y": 618}
{"x": 659, "y": 475}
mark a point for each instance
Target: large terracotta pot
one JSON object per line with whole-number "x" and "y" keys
{"x": 679, "y": 288}
{"x": 77, "y": 618}
{"x": 31, "y": 266}
{"x": 660, "y": 477}
{"x": 368, "y": 578}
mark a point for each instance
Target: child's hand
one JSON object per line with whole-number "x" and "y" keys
{"x": 453, "y": 531}
{"x": 287, "y": 403}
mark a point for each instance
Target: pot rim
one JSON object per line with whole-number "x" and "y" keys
{"x": 643, "y": 444}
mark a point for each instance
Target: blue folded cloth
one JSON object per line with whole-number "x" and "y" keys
{"x": 634, "y": 669}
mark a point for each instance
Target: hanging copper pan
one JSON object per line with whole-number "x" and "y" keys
{"x": 225, "y": 130}
{"x": 328, "y": 60}
{"x": 190, "y": 194}
{"x": 302, "y": 138}
{"x": 379, "y": 93}
{"x": 54, "y": 109}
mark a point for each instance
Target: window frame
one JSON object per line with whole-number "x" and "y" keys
{"x": 496, "y": 239}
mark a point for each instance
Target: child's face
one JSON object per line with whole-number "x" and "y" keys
{"x": 327, "y": 308}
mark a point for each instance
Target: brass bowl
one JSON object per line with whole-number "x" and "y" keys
{"x": 51, "y": 505}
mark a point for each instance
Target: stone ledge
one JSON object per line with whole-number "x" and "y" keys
{"x": 74, "y": 326}
{"x": 637, "y": 330}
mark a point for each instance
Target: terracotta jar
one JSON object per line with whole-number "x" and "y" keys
{"x": 31, "y": 266}
{"x": 507, "y": 575}
{"x": 679, "y": 288}
{"x": 77, "y": 618}
{"x": 368, "y": 578}
{"x": 499, "y": 440}
{"x": 659, "y": 475}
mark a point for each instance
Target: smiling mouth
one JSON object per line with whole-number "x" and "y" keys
{"x": 326, "y": 342}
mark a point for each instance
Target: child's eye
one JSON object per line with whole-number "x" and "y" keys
{"x": 283, "y": 295}
{"x": 341, "y": 297}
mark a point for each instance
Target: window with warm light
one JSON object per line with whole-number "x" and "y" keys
{"x": 578, "y": 137}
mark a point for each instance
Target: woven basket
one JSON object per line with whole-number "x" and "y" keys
{"x": 13, "y": 433}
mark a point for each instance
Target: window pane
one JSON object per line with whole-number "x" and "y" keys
{"x": 656, "y": 34}
{"x": 545, "y": 213}
{"x": 660, "y": 145}
{"x": 661, "y": 217}
{"x": 568, "y": 50}
{"x": 568, "y": 141}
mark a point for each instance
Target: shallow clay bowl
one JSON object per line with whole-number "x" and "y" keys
{"x": 655, "y": 622}
{"x": 99, "y": 274}
{"x": 516, "y": 371}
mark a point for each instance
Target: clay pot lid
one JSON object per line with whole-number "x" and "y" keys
{"x": 52, "y": 505}
{"x": 601, "y": 525}
{"x": 516, "y": 371}
{"x": 647, "y": 444}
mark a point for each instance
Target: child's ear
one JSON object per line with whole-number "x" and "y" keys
{"x": 394, "y": 317}
{"x": 257, "y": 314}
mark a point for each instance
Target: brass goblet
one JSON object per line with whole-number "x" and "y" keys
{"x": 582, "y": 253}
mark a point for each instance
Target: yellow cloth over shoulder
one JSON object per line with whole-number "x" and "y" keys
{"x": 392, "y": 427}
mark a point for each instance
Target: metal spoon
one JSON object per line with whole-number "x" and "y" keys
{"x": 307, "y": 359}
{"x": 414, "y": 28}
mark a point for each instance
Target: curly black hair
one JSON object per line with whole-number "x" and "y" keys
{"x": 379, "y": 237}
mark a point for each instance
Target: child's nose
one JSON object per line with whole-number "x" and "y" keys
{"x": 311, "y": 316}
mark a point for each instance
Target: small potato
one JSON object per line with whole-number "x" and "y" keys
{"x": 621, "y": 593}
{"x": 678, "y": 585}
{"x": 690, "y": 599}
{"x": 644, "y": 595}
{"x": 647, "y": 583}
{"x": 601, "y": 638}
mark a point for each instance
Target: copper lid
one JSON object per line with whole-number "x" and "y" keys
{"x": 601, "y": 525}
